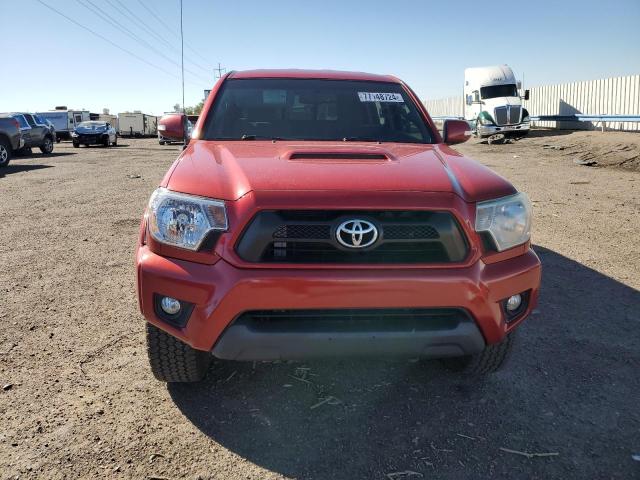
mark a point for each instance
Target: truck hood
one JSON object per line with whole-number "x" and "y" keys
{"x": 230, "y": 170}
{"x": 491, "y": 103}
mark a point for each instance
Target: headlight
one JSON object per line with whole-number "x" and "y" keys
{"x": 507, "y": 220}
{"x": 74, "y": 134}
{"x": 485, "y": 119}
{"x": 184, "y": 220}
{"x": 162, "y": 128}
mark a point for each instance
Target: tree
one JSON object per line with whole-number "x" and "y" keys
{"x": 194, "y": 110}
{"x": 177, "y": 108}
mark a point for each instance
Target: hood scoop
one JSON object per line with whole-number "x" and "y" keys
{"x": 339, "y": 156}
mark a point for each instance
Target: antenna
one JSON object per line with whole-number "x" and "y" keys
{"x": 184, "y": 130}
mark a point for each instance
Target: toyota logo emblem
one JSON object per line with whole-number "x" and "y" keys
{"x": 356, "y": 233}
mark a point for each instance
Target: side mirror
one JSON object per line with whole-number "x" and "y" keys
{"x": 526, "y": 94}
{"x": 476, "y": 96}
{"x": 455, "y": 131}
{"x": 518, "y": 84}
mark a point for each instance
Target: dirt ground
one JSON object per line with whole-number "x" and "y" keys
{"x": 79, "y": 400}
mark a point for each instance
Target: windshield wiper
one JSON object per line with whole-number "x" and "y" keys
{"x": 258, "y": 137}
{"x": 360, "y": 139}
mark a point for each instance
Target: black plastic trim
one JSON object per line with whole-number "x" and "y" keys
{"x": 293, "y": 339}
{"x": 180, "y": 319}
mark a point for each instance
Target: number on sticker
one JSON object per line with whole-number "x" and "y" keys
{"x": 379, "y": 97}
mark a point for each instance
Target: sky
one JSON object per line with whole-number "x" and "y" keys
{"x": 134, "y": 63}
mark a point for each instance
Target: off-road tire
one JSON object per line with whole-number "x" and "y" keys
{"x": 490, "y": 360}
{"x": 47, "y": 147}
{"x": 106, "y": 143}
{"x": 5, "y": 152}
{"x": 161, "y": 143}
{"x": 76, "y": 145}
{"x": 173, "y": 360}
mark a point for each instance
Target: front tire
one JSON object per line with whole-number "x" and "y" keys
{"x": 5, "y": 152}
{"x": 106, "y": 143}
{"x": 172, "y": 360}
{"x": 47, "y": 146}
{"x": 490, "y": 360}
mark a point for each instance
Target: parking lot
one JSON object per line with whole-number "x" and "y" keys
{"x": 79, "y": 399}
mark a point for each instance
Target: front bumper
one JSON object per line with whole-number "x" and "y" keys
{"x": 222, "y": 292}
{"x": 85, "y": 139}
{"x": 488, "y": 130}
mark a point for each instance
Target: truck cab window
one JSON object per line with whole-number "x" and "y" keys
{"x": 495, "y": 91}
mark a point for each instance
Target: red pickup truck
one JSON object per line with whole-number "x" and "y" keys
{"x": 321, "y": 214}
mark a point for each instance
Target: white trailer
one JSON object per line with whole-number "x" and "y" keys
{"x": 151, "y": 125}
{"x": 137, "y": 124}
{"x": 492, "y": 101}
{"x": 64, "y": 120}
{"x": 110, "y": 119}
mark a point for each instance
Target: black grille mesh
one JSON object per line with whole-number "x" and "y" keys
{"x": 302, "y": 231}
{"x": 309, "y": 236}
{"x": 354, "y": 319}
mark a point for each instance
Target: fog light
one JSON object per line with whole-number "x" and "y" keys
{"x": 171, "y": 306}
{"x": 513, "y": 303}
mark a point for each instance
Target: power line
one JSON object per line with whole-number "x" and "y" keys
{"x": 169, "y": 28}
{"x": 152, "y": 31}
{"x": 114, "y": 22}
{"x": 106, "y": 39}
{"x": 134, "y": 17}
{"x": 102, "y": 37}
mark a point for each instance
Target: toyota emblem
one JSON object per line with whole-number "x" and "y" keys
{"x": 356, "y": 233}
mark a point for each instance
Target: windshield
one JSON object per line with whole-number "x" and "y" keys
{"x": 22, "y": 121}
{"x": 311, "y": 109}
{"x": 91, "y": 125}
{"x": 495, "y": 91}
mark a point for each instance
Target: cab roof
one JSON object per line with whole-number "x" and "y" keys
{"x": 315, "y": 74}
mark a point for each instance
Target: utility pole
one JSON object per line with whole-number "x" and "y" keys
{"x": 219, "y": 71}
{"x": 184, "y": 123}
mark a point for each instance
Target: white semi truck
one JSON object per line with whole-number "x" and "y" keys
{"x": 492, "y": 101}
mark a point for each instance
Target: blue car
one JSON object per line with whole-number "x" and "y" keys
{"x": 94, "y": 133}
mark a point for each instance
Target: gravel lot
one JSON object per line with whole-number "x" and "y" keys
{"x": 79, "y": 399}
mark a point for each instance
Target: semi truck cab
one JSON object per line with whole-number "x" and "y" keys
{"x": 493, "y": 103}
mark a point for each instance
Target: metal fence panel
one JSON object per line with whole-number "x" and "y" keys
{"x": 606, "y": 96}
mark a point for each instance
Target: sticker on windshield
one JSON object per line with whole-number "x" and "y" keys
{"x": 380, "y": 97}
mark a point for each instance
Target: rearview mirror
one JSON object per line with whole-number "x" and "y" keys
{"x": 455, "y": 131}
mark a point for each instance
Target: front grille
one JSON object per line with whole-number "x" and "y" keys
{"x": 514, "y": 114}
{"x": 303, "y": 231}
{"x": 354, "y": 320}
{"x": 308, "y": 236}
{"x": 509, "y": 115}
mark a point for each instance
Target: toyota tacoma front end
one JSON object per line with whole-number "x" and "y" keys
{"x": 321, "y": 214}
